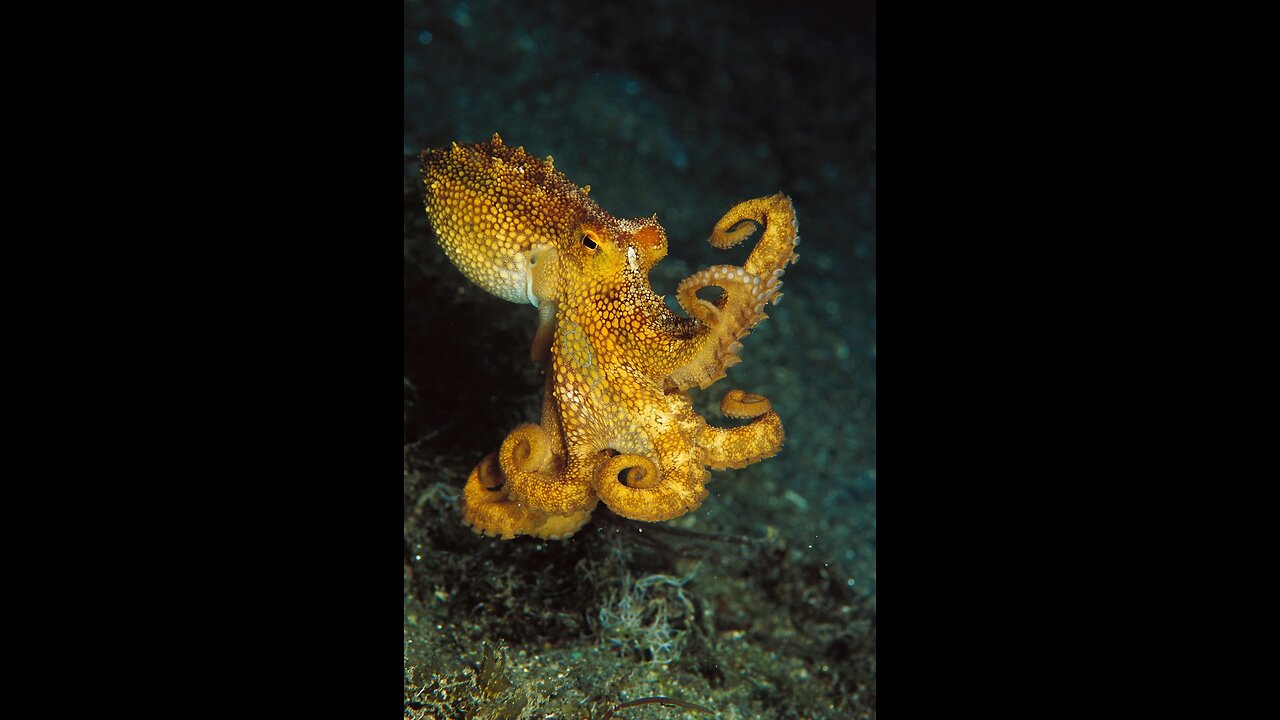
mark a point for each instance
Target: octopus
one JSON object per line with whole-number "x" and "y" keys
{"x": 617, "y": 423}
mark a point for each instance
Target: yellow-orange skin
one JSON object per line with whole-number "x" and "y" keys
{"x": 617, "y": 425}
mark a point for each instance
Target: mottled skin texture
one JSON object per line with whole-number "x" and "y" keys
{"x": 617, "y": 424}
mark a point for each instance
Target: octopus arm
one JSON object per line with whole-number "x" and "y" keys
{"x": 489, "y": 510}
{"x": 747, "y": 288}
{"x": 740, "y": 446}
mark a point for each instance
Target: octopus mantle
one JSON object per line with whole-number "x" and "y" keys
{"x": 617, "y": 423}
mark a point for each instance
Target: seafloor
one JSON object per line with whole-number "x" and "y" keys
{"x": 761, "y": 603}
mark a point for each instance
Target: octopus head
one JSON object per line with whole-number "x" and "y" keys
{"x": 516, "y": 226}
{"x": 605, "y": 252}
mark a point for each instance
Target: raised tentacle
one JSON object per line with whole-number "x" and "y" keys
{"x": 747, "y": 289}
{"x": 776, "y": 248}
{"x": 740, "y": 446}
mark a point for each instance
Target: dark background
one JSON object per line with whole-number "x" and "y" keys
{"x": 683, "y": 109}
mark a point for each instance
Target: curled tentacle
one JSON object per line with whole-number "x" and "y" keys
{"x": 776, "y": 248}
{"x": 537, "y": 477}
{"x": 633, "y": 487}
{"x": 488, "y": 510}
{"x": 747, "y": 289}
{"x": 526, "y": 449}
{"x": 740, "y": 446}
{"x": 738, "y": 284}
{"x": 739, "y": 403}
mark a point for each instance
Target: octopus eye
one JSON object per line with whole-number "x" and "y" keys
{"x": 589, "y": 242}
